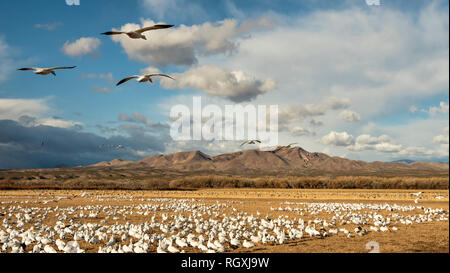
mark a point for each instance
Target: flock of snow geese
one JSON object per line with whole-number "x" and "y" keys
{"x": 128, "y": 224}
{"x": 136, "y": 34}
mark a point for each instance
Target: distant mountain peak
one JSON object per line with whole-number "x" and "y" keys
{"x": 279, "y": 161}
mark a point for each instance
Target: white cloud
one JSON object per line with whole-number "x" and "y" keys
{"x": 443, "y": 109}
{"x": 60, "y": 123}
{"x": 183, "y": 44}
{"x": 337, "y": 103}
{"x": 299, "y": 131}
{"x": 337, "y": 139}
{"x": 388, "y": 147}
{"x": 415, "y": 152}
{"x": 442, "y": 139}
{"x": 82, "y": 46}
{"x": 100, "y": 89}
{"x": 382, "y": 143}
{"x": 316, "y": 123}
{"x": 13, "y": 109}
{"x": 234, "y": 85}
{"x": 297, "y": 113}
{"x": 350, "y": 116}
{"x": 49, "y": 27}
{"x": 343, "y": 53}
{"x": 413, "y": 109}
{"x": 32, "y": 112}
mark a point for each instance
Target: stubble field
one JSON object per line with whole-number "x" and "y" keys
{"x": 224, "y": 220}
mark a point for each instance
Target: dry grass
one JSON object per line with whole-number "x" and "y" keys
{"x": 321, "y": 182}
{"x": 153, "y": 180}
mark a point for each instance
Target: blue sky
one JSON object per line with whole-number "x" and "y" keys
{"x": 385, "y": 67}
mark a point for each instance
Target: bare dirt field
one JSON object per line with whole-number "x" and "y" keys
{"x": 258, "y": 220}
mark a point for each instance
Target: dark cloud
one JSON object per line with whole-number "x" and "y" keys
{"x": 140, "y": 118}
{"x": 20, "y": 146}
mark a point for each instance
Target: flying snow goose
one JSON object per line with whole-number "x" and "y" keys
{"x": 45, "y": 71}
{"x": 137, "y": 34}
{"x": 250, "y": 142}
{"x": 144, "y": 78}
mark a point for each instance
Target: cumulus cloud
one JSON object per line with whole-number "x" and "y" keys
{"x": 316, "y": 123}
{"x": 413, "y": 109}
{"x": 32, "y": 113}
{"x": 297, "y": 113}
{"x": 60, "y": 123}
{"x": 415, "y": 152}
{"x": 13, "y": 109}
{"x": 343, "y": 53}
{"x": 209, "y": 147}
{"x": 82, "y": 46}
{"x": 236, "y": 86}
{"x": 334, "y": 103}
{"x": 350, "y": 116}
{"x": 432, "y": 110}
{"x": 442, "y": 109}
{"x": 140, "y": 118}
{"x": 183, "y": 44}
{"x": 442, "y": 139}
{"x": 337, "y": 139}
{"x": 299, "y": 131}
{"x": 382, "y": 143}
{"x": 49, "y": 26}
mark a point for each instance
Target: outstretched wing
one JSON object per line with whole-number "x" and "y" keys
{"x": 126, "y": 79}
{"x": 244, "y": 143}
{"x": 153, "y": 28}
{"x": 27, "y": 68}
{"x": 161, "y": 75}
{"x": 113, "y": 32}
{"x": 61, "y": 67}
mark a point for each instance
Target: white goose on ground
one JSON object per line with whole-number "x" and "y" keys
{"x": 247, "y": 244}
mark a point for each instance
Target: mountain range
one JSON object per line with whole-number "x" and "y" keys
{"x": 281, "y": 161}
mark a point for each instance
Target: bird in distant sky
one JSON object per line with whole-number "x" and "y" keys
{"x": 45, "y": 71}
{"x": 137, "y": 34}
{"x": 144, "y": 78}
{"x": 251, "y": 142}
{"x": 43, "y": 142}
